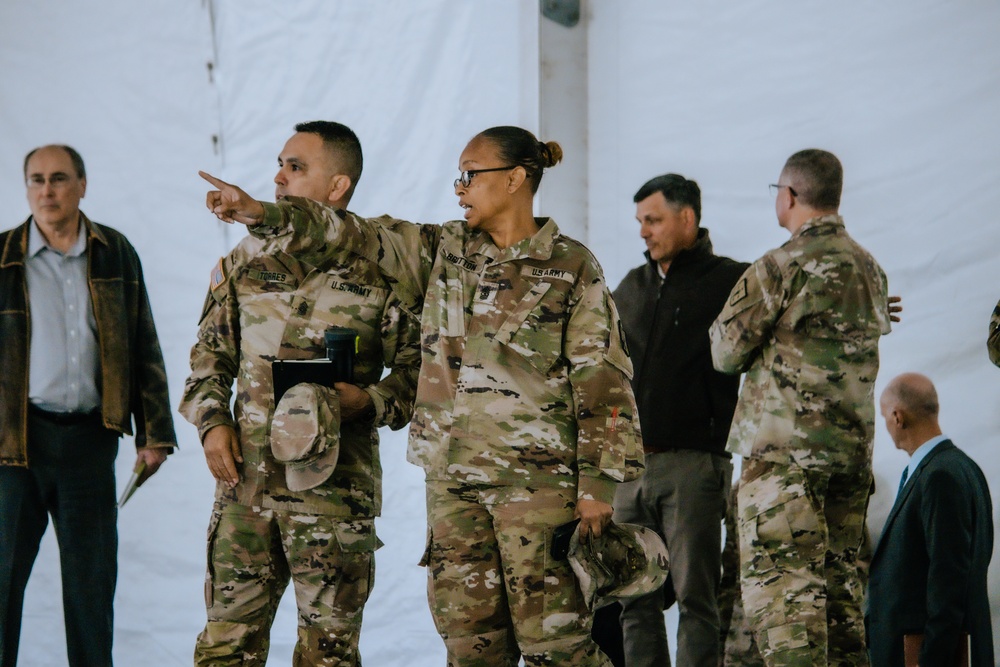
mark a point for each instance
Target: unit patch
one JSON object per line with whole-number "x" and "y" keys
{"x": 739, "y": 292}
{"x": 218, "y": 276}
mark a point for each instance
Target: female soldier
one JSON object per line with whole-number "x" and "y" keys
{"x": 524, "y": 415}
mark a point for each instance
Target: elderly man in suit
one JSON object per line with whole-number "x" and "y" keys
{"x": 928, "y": 573}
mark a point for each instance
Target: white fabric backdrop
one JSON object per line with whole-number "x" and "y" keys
{"x": 907, "y": 94}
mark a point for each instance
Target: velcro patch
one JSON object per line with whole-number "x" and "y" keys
{"x": 739, "y": 292}
{"x": 557, "y": 274}
{"x": 218, "y": 276}
{"x": 458, "y": 260}
{"x": 268, "y": 276}
{"x": 360, "y": 290}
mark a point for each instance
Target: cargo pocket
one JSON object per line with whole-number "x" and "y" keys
{"x": 778, "y": 516}
{"x": 563, "y": 608}
{"x": 357, "y": 543}
{"x": 439, "y": 616}
{"x": 213, "y": 529}
{"x": 781, "y": 542}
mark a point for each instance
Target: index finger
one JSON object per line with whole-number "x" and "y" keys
{"x": 219, "y": 183}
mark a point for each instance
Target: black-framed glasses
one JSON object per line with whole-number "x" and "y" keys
{"x": 776, "y": 186}
{"x": 466, "y": 178}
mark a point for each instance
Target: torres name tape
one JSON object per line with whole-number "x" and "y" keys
{"x": 268, "y": 276}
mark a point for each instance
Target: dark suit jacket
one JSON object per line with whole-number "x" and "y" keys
{"x": 928, "y": 573}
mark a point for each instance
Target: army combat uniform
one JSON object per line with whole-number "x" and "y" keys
{"x": 266, "y": 306}
{"x": 993, "y": 343}
{"x": 804, "y": 322}
{"x": 523, "y": 408}
{"x": 739, "y": 648}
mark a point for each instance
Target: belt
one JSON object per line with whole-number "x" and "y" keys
{"x": 63, "y": 418}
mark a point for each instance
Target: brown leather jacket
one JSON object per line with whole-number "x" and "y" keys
{"x": 133, "y": 378}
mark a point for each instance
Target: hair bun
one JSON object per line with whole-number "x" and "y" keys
{"x": 551, "y": 151}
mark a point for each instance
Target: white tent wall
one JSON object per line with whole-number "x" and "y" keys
{"x": 906, "y": 93}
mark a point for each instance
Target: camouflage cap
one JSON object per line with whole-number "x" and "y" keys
{"x": 626, "y": 561}
{"x": 305, "y": 435}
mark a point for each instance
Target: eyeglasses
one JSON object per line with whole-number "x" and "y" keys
{"x": 466, "y": 178}
{"x": 776, "y": 186}
{"x": 58, "y": 180}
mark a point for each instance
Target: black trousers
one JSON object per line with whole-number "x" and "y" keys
{"x": 71, "y": 477}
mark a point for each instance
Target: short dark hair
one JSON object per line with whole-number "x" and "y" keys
{"x": 818, "y": 177}
{"x": 519, "y": 148}
{"x": 74, "y": 157}
{"x": 341, "y": 141}
{"x": 676, "y": 189}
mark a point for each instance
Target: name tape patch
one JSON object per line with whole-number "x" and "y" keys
{"x": 360, "y": 290}
{"x": 268, "y": 276}
{"x": 557, "y": 274}
{"x": 458, "y": 260}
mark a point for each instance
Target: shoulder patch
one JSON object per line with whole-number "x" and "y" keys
{"x": 218, "y": 276}
{"x": 739, "y": 292}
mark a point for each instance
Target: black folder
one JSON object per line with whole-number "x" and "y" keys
{"x": 286, "y": 373}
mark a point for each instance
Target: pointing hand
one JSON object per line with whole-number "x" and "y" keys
{"x": 230, "y": 204}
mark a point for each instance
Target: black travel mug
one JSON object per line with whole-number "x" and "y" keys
{"x": 341, "y": 348}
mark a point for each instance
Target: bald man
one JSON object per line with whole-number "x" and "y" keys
{"x": 928, "y": 575}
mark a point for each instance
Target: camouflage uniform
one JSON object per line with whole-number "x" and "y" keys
{"x": 265, "y": 306}
{"x": 993, "y": 343}
{"x": 739, "y": 649}
{"x": 523, "y": 407}
{"x": 804, "y": 321}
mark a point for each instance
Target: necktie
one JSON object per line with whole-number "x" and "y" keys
{"x": 902, "y": 480}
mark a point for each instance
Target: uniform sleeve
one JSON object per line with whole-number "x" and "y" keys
{"x": 993, "y": 342}
{"x": 214, "y": 363}
{"x": 729, "y": 584}
{"x": 393, "y": 395}
{"x": 609, "y": 445}
{"x": 318, "y": 234}
{"x": 748, "y": 318}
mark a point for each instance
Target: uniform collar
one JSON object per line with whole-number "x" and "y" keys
{"x": 537, "y": 247}
{"x": 819, "y": 223}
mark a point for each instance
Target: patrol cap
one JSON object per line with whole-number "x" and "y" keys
{"x": 305, "y": 435}
{"x": 626, "y": 561}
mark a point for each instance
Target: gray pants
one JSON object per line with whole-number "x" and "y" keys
{"x": 682, "y": 496}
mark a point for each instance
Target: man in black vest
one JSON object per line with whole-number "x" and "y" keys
{"x": 927, "y": 589}
{"x": 685, "y": 408}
